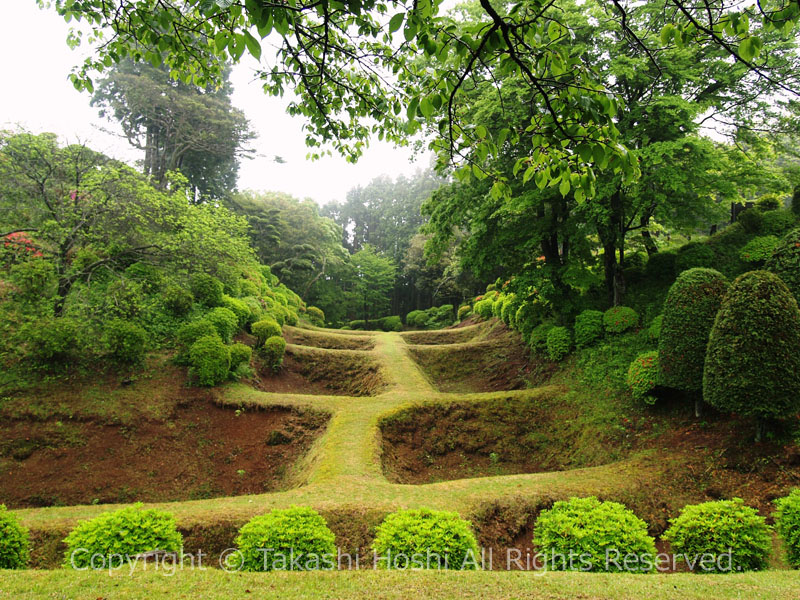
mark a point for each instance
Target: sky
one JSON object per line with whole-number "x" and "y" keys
{"x": 38, "y": 97}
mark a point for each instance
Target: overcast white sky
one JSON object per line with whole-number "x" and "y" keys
{"x": 37, "y": 96}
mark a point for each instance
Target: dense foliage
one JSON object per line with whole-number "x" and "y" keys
{"x": 14, "y": 544}
{"x": 787, "y": 524}
{"x": 620, "y": 318}
{"x": 644, "y": 375}
{"x": 785, "y": 262}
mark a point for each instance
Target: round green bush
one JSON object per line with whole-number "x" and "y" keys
{"x": 14, "y": 545}
{"x": 285, "y": 539}
{"x": 661, "y": 266}
{"x": 654, "y": 331}
{"x": 778, "y": 222}
{"x": 239, "y": 308}
{"x": 224, "y": 321}
{"x": 316, "y": 316}
{"x": 249, "y": 288}
{"x": 604, "y": 532}
{"x": 416, "y": 318}
{"x": 279, "y": 313}
{"x": 693, "y": 255}
{"x": 769, "y": 202}
{"x": 53, "y": 341}
{"x": 787, "y": 523}
{"x": 209, "y": 360}
{"x": 497, "y": 305}
{"x": 689, "y": 311}
{"x": 752, "y": 220}
{"x": 483, "y": 308}
{"x": 265, "y": 329}
{"x": 424, "y": 538}
{"x": 716, "y": 528}
{"x": 643, "y": 376}
{"x": 206, "y": 289}
{"x": 759, "y": 249}
{"x": 189, "y": 333}
{"x": 559, "y": 343}
{"x": 272, "y": 352}
{"x": 240, "y": 355}
{"x": 538, "y": 337}
{"x": 125, "y": 341}
{"x": 528, "y": 316}
{"x": 508, "y": 308}
{"x": 119, "y": 536}
{"x": 124, "y": 299}
{"x": 177, "y": 300}
{"x": 753, "y": 355}
{"x": 33, "y": 279}
{"x": 785, "y": 262}
{"x": 358, "y": 324}
{"x": 588, "y": 327}
{"x": 464, "y": 312}
{"x": 618, "y": 319}
{"x": 393, "y": 323}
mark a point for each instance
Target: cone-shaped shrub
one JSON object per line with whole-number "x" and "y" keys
{"x": 753, "y": 355}
{"x": 689, "y": 311}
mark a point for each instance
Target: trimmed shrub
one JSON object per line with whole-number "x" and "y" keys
{"x": 787, "y": 523}
{"x": 123, "y": 299}
{"x": 689, "y": 311}
{"x": 126, "y": 341}
{"x": 769, "y": 202}
{"x": 272, "y": 541}
{"x": 256, "y": 309}
{"x": 618, "y": 319}
{"x": 586, "y": 526}
{"x": 240, "y": 355}
{"x": 661, "y": 266}
{"x": 497, "y": 305}
{"x": 759, "y": 249}
{"x": 785, "y": 262}
{"x": 778, "y": 222}
{"x": 224, "y": 321}
{"x": 443, "y": 537}
{"x": 391, "y": 324}
{"x": 119, "y": 536}
{"x": 265, "y": 329}
{"x": 189, "y": 333}
{"x": 207, "y": 290}
{"x": 34, "y": 279}
{"x": 752, "y": 220}
{"x": 643, "y": 376}
{"x": 508, "y": 308}
{"x": 464, "y": 312}
{"x": 715, "y": 528}
{"x": 726, "y": 245}
{"x": 588, "y": 327}
{"x": 416, "y": 318}
{"x": 177, "y": 300}
{"x": 753, "y": 355}
{"x": 538, "y": 337}
{"x": 53, "y": 340}
{"x": 358, "y": 324}
{"x": 249, "y": 288}
{"x": 654, "y": 331}
{"x": 528, "y": 317}
{"x": 694, "y": 255}
{"x": 14, "y": 545}
{"x": 239, "y": 308}
{"x": 559, "y": 343}
{"x": 291, "y": 317}
{"x": 483, "y": 308}
{"x": 209, "y": 360}
{"x": 316, "y": 316}
{"x": 272, "y": 352}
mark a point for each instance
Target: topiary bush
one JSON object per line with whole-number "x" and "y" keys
{"x": 285, "y": 539}
{"x": 239, "y": 308}
{"x": 528, "y": 316}
{"x": 619, "y": 319}
{"x": 769, "y": 202}
{"x": 559, "y": 343}
{"x": 643, "y": 376}
{"x": 759, "y": 249}
{"x": 416, "y": 318}
{"x": 207, "y": 290}
{"x": 126, "y": 341}
{"x": 177, "y": 300}
{"x": 248, "y": 288}
{"x": 661, "y": 266}
{"x": 14, "y": 544}
{"x": 654, "y": 331}
{"x": 785, "y": 262}
{"x": 778, "y": 222}
{"x": 497, "y": 305}
{"x": 272, "y": 352}
{"x": 224, "y": 321}
{"x": 189, "y": 333}
{"x": 209, "y": 360}
{"x": 393, "y": 323}
{"x": 716, "y": 528}
{"x": 586, "y": 526}
{"x": 431, "y": 538}
{"x": 316, "y": 316}
{"x": 265, "y": 329}
{"x": 538, "y": 337}
{"x": 753, "y": 354}
{"x": 119, "y": 536}
{"x": 689, "y": 311}
{"x": 464, "y": 312}
{"x": 588, "y": 327}
{"x": 508, "y": 308}
{"x": 483, "y": 308}
{"x": 752, "y": 220}
{"x": 53, "y": 341}
{"x": 693, "y": 255}
{"x": 240, "y": 355}
{"x": 787, "y": 523}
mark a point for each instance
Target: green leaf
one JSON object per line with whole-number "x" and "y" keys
{"x": 529, "y": 172}
{"x": 585, "y": 152}
{"x": 396, "y": 22}
{"x": 412, "y": 108}
{"x": 554, "y": 31}
{"x": 564, "y": 186}
{"x": 667, "y": 33}
{"x": 481, "y": 132}
{"x": 426, "y": 108}
{"x": 221, "y": 40}
{"x": 253, "y": 46}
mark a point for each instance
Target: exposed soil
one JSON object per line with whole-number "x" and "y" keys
{"x": 500, "y": 362}
{"x": 307, "y": 337}
{"x": 317, "y": 372}
{"x": 202, "y": 450}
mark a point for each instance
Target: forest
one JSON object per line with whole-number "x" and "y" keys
{"x": 567, "y": 344}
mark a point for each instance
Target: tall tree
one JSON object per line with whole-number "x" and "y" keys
{"x": 372, "y": 283}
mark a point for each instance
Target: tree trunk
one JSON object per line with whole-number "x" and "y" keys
{"x": 698, "y": 407}
{"x": 64, "y": 286}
